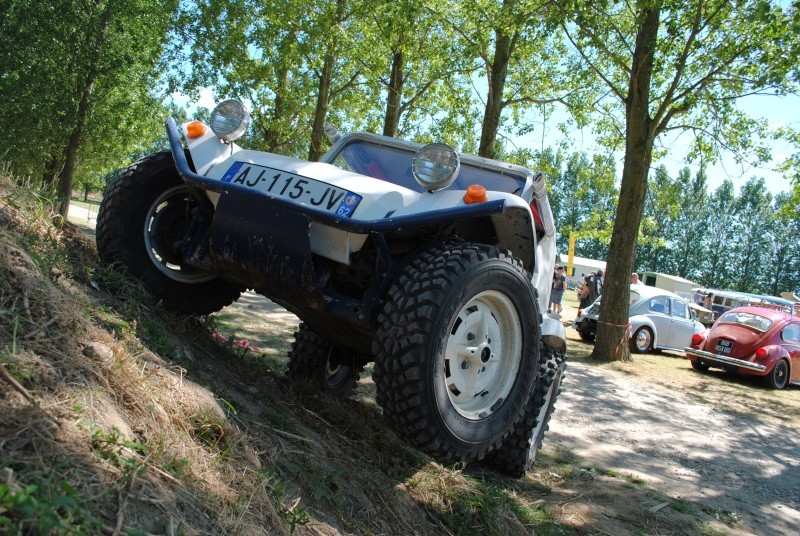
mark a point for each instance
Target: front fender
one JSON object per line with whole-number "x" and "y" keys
{"x": 639, "y": 321}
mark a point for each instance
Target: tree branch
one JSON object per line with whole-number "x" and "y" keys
{"x": 594, "y": 68}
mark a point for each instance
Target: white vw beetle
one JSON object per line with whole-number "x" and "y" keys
{"x": 659, "y": 319}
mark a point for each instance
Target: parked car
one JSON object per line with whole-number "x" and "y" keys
{"x": 659, "y": 319}
{"x": 751, "y": 340}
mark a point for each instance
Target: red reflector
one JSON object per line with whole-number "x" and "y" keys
{"x": 761, "y": 353}
{"x": 696, "y": 339}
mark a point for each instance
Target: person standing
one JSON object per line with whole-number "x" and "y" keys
{"x": 635, "y": 279}
{"x": 597, "y": 283}
{"x": 708, "y": 301}
{"x": 557, "y": 291}
{"x": 586, "y": 296}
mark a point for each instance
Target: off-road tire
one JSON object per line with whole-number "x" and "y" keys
{"x": 421, "y": 316}
{"x": 650, "y": 339}
{"x": 698, "y": 366}
{"x": 128, "y": 203}
{"x": 518, "y": 452}
{"x": 327, "y": 367}
{"x": 778, "y": 378}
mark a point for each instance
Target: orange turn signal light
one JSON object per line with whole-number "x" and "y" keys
{"x": 475, "y": 194}
{"x": 195, "y": 129}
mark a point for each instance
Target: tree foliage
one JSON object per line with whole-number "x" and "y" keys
{"x": 83, "y": 72}
{"x": 672, "y": 65}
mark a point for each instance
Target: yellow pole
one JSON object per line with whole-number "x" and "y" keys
{"x": 570, "y": 253}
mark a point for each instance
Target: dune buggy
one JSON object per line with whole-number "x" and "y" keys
{"x": 418, "y": 258}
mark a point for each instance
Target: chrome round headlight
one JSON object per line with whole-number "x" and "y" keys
{"x": 435, "y": 166}
{"x": 229, "y": 119}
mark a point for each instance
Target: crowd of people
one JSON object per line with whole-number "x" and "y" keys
{"x": 591, "y": 288}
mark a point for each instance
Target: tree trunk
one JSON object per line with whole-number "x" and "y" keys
{"x": 394, "y": 94}
{"x": 272, "y": 132}
{"x": 315, "y": 151}
{"x": 94, "y": 43}
{"x": 611, "y": 342}
{"x": 494, "y": 101}
{"x": 274, "y": 136}
{"x": 50, "y": 175}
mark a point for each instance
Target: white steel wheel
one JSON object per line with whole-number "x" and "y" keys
{"x": 456, "y": 349}
{"x": 483, "y": 353}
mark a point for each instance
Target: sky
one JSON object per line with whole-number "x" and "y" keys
{"x": 779, "y": 112}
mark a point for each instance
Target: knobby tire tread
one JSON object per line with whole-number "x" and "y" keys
{"x": 119, "y": 238}
{"x": 512, "y": 457}
{"x": 308, "y": 361}
{"x": 404, "y": 325}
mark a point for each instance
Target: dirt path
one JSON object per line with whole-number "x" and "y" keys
{"x": 734, "y": 465}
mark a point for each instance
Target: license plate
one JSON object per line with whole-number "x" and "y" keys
{"x": 724, "y": 346}
{"x": 303, "y": 190}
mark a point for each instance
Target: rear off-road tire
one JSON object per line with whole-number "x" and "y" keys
{"x": 456, "y": 349}
{"x": 329, "y": 368}
{"x": 586, "y": 336}
{"x": 518, "y": 452}
{"x": 140, "y": 225}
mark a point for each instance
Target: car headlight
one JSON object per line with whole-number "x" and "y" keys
{"x": 435, "y": 166}
{"x": 229, "y": 119}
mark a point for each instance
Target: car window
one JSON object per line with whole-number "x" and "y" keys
{"x": 679, "y": 309}
{"x": 791, "y": 333}
{"x": 634, "y": 298}
{"x": 754, "y": 321}
{"x": 659, "y": 305}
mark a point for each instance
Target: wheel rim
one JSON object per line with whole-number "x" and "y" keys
{"x": 336, "y": 374}
{"x": 483, "y": 353}
{"x": 780, "y": 374}
{"x": 164, "y": 228}
{"x": 642, "y": 340}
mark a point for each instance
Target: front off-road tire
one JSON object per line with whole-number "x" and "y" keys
{"x": 140, "y": 225}
{"x": 329, "y": 368}
{"x": 456, "y": 349}
{"x": 518, "y": 452}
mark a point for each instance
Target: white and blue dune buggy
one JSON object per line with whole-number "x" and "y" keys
{"x": 422, "y": 260}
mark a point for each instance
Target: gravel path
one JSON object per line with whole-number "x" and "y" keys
{"x": 730, "y": 463}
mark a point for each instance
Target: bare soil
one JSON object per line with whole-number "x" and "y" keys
{"x": 691, "y": 438}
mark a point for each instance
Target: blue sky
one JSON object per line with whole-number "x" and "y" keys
{"x": 778, "y": 111}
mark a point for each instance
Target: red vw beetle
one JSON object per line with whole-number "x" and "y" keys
{"x": 751, "y": 340}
